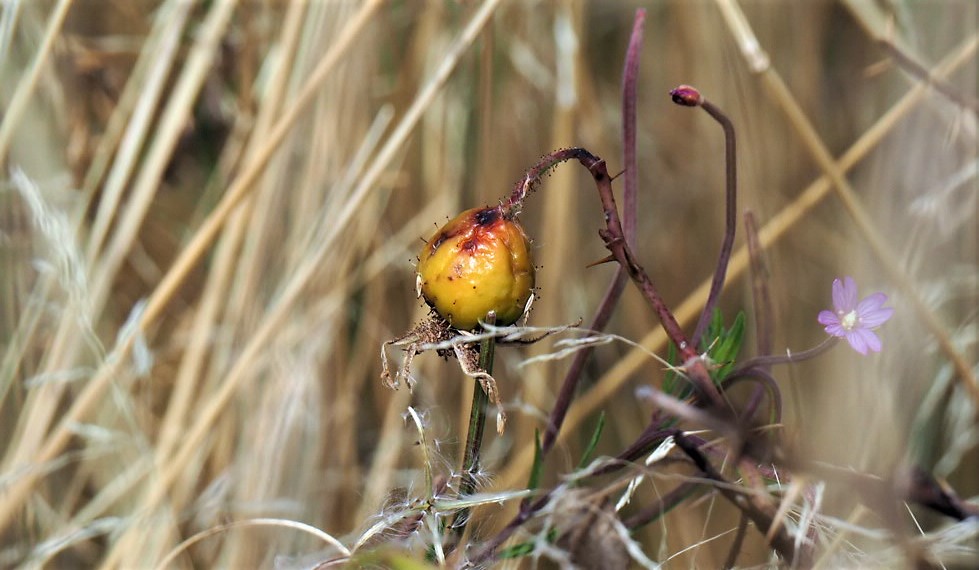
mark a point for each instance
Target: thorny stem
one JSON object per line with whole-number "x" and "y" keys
{"x": 531, "y": 180}
{"x": 615, "y": 241}
{"x": 689, "y": 97}
{"x": 614, "y": 238}
{"x": 474, "y": 439}
{"x": 630, "y": 79}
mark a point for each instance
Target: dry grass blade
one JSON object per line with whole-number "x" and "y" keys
{"x": 87, "y": 400}
{"x": 281, "y": 523}
{"x": 26, "y": 85}
{"x": 210, "y": 217}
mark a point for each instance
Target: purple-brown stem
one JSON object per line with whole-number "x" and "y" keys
{"x": 763, "y": 515}
{"x": 689, "y": 97}
{"x": 569, "y": 385}
{"x": 693, "y": 365}
{"x": 630, "y": 78}
{"x": 765, "y": 383}
{"x": 767, "y": 361}
{"x": 732, "y": 555}
{"x": 531, "y": 180}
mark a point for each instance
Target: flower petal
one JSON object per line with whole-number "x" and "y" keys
{"x": 875, "y": 318}
{"x": 838, "y": 294}
{"x": 828, "y": 318}
{"x": 871, "y": 303}
{"x": 857, "y": 340}
{"x": 870, "y": 340}
{"x": 845, "y": 294}
{"x": 836, "y": 329}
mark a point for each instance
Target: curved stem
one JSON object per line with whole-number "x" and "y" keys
{"x": 689, "y": 97}
{"x": 760, "y": 374}
{"x": 771, "y": 360}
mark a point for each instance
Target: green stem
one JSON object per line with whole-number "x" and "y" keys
{"x": 474, "y": 440}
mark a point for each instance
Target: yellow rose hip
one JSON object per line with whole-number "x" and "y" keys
{"x": 478, "y": 262}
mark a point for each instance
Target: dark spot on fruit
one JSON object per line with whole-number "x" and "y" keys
{"x": 468, "y": 245}
{"x": 487, "y": 216}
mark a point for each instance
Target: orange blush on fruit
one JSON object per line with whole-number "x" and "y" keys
{"x": 478, "y": 262}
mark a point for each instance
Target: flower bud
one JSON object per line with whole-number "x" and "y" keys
{"x": 476, "y": 263}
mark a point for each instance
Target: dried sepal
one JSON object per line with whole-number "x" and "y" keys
{"x": 432, "y": 330}
{"x": 435, "y": 333}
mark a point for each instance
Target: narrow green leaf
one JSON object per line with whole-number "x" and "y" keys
{"x": 590, "y": 450}
{"x": 525, "y": 548}
{"x": 517, "y": 551}
{"x": 729, "y": 347}
{"x": 535, "y": 469}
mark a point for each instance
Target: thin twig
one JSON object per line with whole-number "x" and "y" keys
{"x": 767, "y": 361}
{"x": 732, "y": 556}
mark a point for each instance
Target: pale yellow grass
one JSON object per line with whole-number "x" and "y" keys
{"x": 210, "y": 212}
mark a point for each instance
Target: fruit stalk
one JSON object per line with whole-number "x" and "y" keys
{"x": 474, "y": 439}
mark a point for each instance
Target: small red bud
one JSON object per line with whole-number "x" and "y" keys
{"x": 686, "y": 95}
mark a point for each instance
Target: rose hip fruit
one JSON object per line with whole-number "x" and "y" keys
{"x": 478, "y": 262}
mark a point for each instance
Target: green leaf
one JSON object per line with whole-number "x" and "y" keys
{"x": 728, "y": 347}
{"x": 517, "y": 551}
{"x": 673, "y": 383}
{"x": 525, "y": 548}
{"x": 590, "y": 450}
{"x": 535, "y": 469}
{"x": 723, "y": 345}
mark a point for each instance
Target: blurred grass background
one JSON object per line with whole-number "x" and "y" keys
{"x": 210, "y": 213}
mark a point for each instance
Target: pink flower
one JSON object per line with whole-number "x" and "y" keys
{"x": 855, "y": 321}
